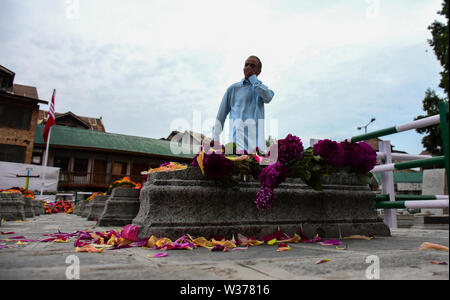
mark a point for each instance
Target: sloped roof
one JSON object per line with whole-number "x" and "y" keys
{"x": 70, "y": 137}
{"x": 93, "y": 123}
{"x": 25, "y": 90}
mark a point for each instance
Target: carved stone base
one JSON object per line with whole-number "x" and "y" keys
{"x": 120, "y": 208}
{"x": 29, "y": 207}
{"x": 97, "y": 207}
{"x": 12, "y": 207}
{"x": 185, "y": 202}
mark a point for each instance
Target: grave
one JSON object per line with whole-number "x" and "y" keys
{"x": 97, "y": 206}
{"x": 186, "y": 202}
{"x": 12, "y": 206}
{"x": 85, "y": 209}
{"x": 29, "y": 207}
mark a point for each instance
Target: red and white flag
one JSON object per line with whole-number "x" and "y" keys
{"x": 51, "y": 118}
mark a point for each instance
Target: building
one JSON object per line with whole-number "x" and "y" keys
{"x": 190, "y": 141}
{"x": 90, "y": 160}
{"x": 19, "y": 109}
{"x": 72, "y": 120}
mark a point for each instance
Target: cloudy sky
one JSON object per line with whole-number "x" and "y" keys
{"x": 145, "y": 65}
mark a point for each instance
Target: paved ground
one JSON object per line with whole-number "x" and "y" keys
{"x": 398, "y": 257}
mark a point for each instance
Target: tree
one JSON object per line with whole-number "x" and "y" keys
{"x": 439, "y": 31}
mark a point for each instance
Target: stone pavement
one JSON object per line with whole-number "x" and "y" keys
{"x": 398, "y": 257}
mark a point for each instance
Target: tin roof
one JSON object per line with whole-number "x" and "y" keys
{"x": 70, "y": 137}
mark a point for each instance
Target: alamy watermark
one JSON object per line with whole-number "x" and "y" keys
{"x": 373, "y": 9}
{"x": 73, "y": 9}
{"x": 249, "y": 135}
{"x": 373, "y": 270}
{"x": 73, "y": 270}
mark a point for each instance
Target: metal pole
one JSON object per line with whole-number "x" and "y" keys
{"x": 387, "y": 178}
{"x": 45, "y": 162}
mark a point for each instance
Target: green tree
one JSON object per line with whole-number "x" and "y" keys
{"x": 440, "y": 44}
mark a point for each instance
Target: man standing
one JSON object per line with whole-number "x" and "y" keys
{"x": 244, "y": 101}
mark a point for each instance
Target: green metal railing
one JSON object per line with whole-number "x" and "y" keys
{"x": 389, "y": 200}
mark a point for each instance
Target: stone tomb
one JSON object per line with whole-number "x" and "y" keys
{"x": 12, "y": 206}
{"x": 120, "y": 208}
{"x": 185, "y": 202}
{"x": 96, "y": 207}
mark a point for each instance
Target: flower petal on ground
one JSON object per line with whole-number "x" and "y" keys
{"x": 321, "y": 261}
{"x": 331, "y": 242}
{"x": 151, "y": 243}
{"x": 130, "y": 232}
{"x": 428, "y": 246}
{"x": 358, "y": 237}
{"x": 272, "y": 242}
{"x": 89, "y": 248}
{"x": 163, "y": 242}
{"x": 159, "y": 254}
{"x": 439, "y": 263}
{"x": 281, "y": 249}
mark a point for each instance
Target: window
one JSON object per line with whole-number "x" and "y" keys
{"x": 15, "y": 116}
{"x": 119, "y": 168}
{"x": 12, "y": 153}
{"x": 80, "y": 165}
{"x": 37, "y": 158}
{"x": 61, "y": 162}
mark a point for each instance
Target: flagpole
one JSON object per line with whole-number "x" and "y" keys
{"x": 47, "y": 146}
{"x": 45, "y": 162}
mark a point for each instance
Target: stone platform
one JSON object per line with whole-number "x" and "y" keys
{"x": 120, "y": 208}
{"x": 97, "y": 207}
{"x": 180, "y": 202}
{"x": 12, "y": 206}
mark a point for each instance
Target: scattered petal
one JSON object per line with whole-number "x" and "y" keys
{"x": 163, "y": 242}
{"x": 427, "y": 246}
{"x": 321, "y": 261}
{"x": 9, "y": 232}
{"x": 130, "y": 232}
{"x": 295, "y": 239}
{"x": 439, "y": 263}
{"x": 159, "y": 254}
{"x": 240, "y": 248}
{"x": 88, "y": 248}
{"x": 60, "y": 241}
{"x": 272, "y": 242}
{"x": 151, "y": 243}
{"x": 281, "y": 249}
{"x": 342, "y": 248}
{"x": 279, "y": 235}
{"x": 358, "y": 237}
{"x": 331, "y": 242}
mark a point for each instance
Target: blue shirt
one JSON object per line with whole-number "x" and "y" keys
{"x": 244, "y": 102}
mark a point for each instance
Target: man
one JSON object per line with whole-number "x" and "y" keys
{"x": 245, "y": 101}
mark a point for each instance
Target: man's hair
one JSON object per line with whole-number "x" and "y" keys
{"x": 253, "y": 56}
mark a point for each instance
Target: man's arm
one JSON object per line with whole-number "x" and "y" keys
{"x": 224, "y": 110}
{"x": 263, "y": 91}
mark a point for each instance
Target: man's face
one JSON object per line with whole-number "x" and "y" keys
{"x": 251, "y": 67}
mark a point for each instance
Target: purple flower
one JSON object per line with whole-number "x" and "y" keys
{"x": 194, "y": 161}
{"x": 331, "y": 152}
{"x": 359, "y": 155}
{"x": 271, "y": 176}
{"x": 264, "y": 198}
{"x": 290, "y": 148}
{"x": 216, "y": 165}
